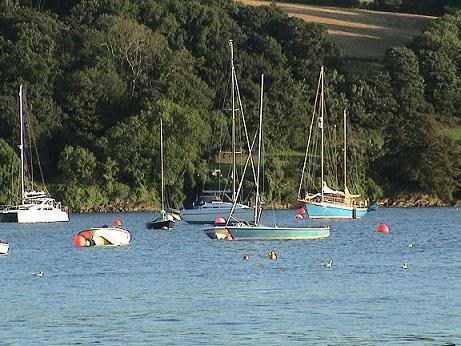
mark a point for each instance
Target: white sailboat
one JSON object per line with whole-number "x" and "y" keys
{"x": 210, "y": 206}
{"x": 36, "y": 206}
{"x": 327, "y": 203}
{"x": 164, "y": 219}
{"x": 241, "y": 230}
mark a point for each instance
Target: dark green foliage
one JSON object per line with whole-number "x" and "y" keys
{"x": 101, "y": 74}
{"x": 9, "y": 168}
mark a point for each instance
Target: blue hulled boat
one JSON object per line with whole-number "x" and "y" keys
{"x": 240, "y": 230}
{"x": 327, "y": 210}
{"x": 326, "y": 203}
{"x": 246, "y": 231}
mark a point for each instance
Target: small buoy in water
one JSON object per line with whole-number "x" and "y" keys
{"x": 272, "y": 255}
{"x": 246, "y": 257}
{"x": 411, "y": 245}
{"x": 228, "y": 237}
{"x": 299, "y": 216}
{"x": 301, "y": 211}
{"x": 79, "y": 241}
{"x": 219, "y": 221}
{"x": 404, "y": 265}
{"x": 328, "y": 264}
{"x": 382, "y": 228}
{"x": 117, "y": 223}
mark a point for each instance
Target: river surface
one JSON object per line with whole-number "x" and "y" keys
{"x": 181, "y": 288}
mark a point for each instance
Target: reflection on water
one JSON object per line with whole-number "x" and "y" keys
{"x": 179, "y": 287}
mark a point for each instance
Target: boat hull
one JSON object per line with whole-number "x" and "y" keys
{"x": 322, "y": 210}
{"x": 163, "y": 224}
{"x": 208, "y": 214}
{"x": 246, "y": 232}
{"x": 34, "y": 216}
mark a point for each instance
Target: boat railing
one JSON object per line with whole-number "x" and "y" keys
{"x": 344, "y": 200}
{"x": 6, "y": 208}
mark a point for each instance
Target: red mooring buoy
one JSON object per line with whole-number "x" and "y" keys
{"x": 301, "y": 211}
{"x": 219, "y": 221}
{"x": 382, "y": 228}
{"x": 228, "y": 237}
{"x": 79, "y": 241}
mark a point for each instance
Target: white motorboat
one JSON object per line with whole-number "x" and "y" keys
{"x": 4, "y": 247}
{"x": 101, "y": 236}
{"x": 208, "y": 208}
{"x": 35, "y": 206}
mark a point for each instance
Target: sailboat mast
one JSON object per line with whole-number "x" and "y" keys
{"x": 161, "y": 163}
{"x": 257, "y": 204}
{"x": 234, "y": 197}
{"x": 322, "y": 106}
{"x": 345, "y": 155}
{"x": 21, "y": 147}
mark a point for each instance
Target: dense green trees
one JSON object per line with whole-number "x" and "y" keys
{"x": 100, "y": 74}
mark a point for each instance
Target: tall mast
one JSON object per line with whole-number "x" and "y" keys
{"x": 21, "y": 147}
{"x": 345, "y": 156}
{"x": 322, "y": 105}
{"x": 234, "y": 171}
{"x": 257, "y": 204}
{"x": 161, "y": 162}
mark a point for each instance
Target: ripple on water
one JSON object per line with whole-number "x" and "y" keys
{"x": 181, "y": 288}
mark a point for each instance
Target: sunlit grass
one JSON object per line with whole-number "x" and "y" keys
{"x": 455, "y": 133}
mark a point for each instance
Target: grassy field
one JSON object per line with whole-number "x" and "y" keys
{"x": 455, "y": 133}
{"x": 360, "y": 34}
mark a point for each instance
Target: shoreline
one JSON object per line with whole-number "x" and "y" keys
{"x": 384, "y": 203}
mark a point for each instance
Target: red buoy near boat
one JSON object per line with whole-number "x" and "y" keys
{"x": 117, "y": 223}
{"x": 300, "y": 211}
{"x": 219, "y": 221}
{"x": 79, "y": 241}
{"x": 382, "y": 228}
{"x": 229, "y": 237}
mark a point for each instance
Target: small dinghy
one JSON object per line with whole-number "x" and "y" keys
{"x": 4, "y": 247}
{"x": 103, "y": 236}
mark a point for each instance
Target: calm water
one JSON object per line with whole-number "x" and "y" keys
{"x": 179, "y": 287}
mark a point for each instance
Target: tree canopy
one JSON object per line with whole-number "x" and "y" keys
{"x": 101, "y": 74}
